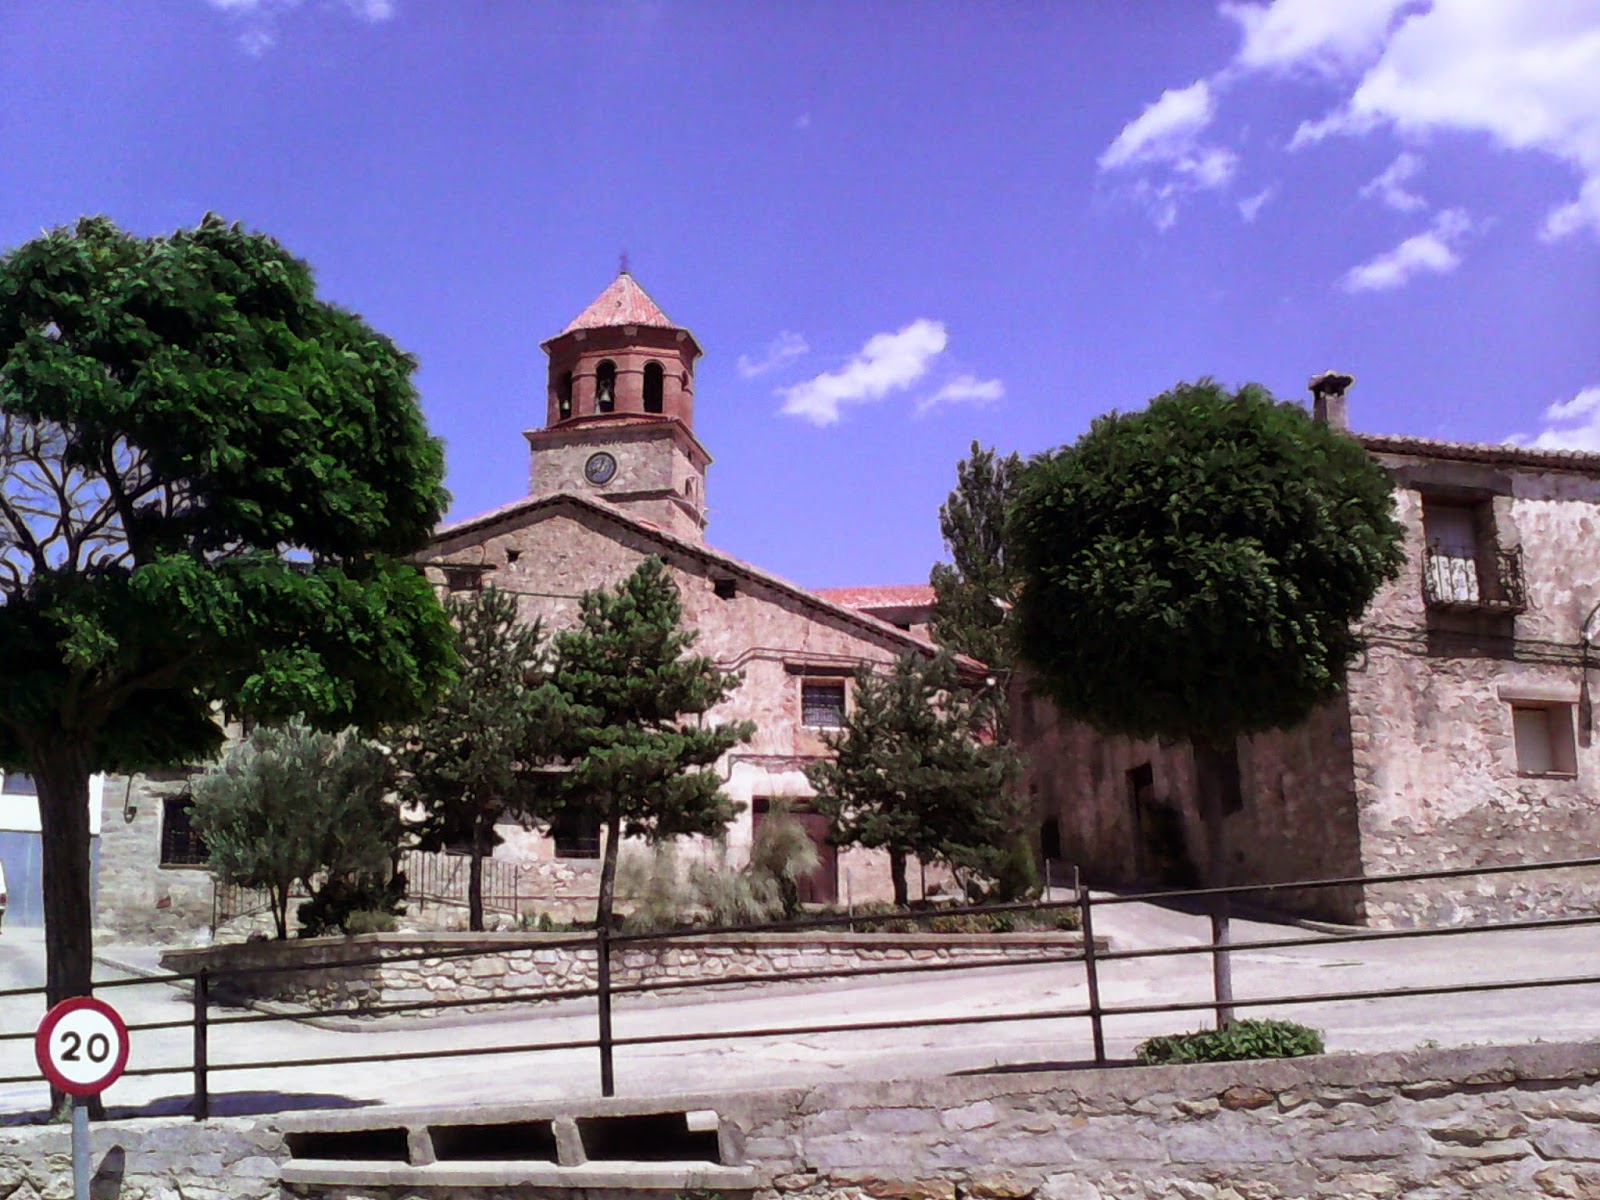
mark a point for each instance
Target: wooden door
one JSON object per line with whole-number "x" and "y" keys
{"x": 822, "y": 885}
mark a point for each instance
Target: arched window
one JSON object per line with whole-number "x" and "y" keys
{"x": 605, "y": 387}
{"x": 564, "y": 394}
{"x": 654, "y": 387}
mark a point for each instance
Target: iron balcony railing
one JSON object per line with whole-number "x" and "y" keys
{"x": 1474, "y": 583}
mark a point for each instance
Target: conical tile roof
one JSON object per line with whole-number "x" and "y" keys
{"x": 623, "y": 302}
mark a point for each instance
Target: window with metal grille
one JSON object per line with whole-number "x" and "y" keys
{"x": 577, "y": 835}
{"x": 181, "y": 843}
{"x": 822, "y": 705}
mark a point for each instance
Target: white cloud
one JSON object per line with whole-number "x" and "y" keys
{"x": 784, "y": 348}
{"x": 1390, "y": 186}
{"x": 1433, "y": 251}
{"x": 1523, "y": 73}
{"x": 1580, "y": 417}
{"x": 1250, "y": 207}
{"x": 964, "y": 389}
{"x": 259, "y": 19}
{"x": 1166, "y": 136}
{"x": 1164, "y": 130}
{"x": 888, "y": 362}
{"x": 1327, "y": 35}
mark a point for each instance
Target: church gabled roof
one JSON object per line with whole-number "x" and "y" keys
{"x": 623, "y": 302}
{"x": 527, "y": 505}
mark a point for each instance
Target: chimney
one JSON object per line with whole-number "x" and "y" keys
{"x": 1328, "y": 404}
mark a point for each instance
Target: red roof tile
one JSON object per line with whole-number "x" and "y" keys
{"x": 623, "y": 302}
{"x": 899, "y": 595}
{"x": 1503, "y": 453}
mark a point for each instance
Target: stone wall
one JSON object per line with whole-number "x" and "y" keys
{"x": 309, "y": 971}
{"x": 1296, "y": 818}
{"x": 1437, "y": 778}
{"x": 1493, "y": 1123}
{"x": 139, "y": 899}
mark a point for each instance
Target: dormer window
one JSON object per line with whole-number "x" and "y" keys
{"x": 654, "y": 387}
{"x": 605, "y": 387}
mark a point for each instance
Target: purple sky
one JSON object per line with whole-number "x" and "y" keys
{"x": 894, "y": 227}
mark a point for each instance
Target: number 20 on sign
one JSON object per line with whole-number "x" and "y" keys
{"x": 82, "y": 1046}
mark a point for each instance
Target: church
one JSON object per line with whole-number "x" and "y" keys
{"x": 618, "y": 475}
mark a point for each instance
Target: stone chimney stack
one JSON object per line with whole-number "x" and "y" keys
{"x": 1328, "y": 404}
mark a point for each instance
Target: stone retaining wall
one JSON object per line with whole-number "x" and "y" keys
{"x": 311, "y": 971}
{"x": 1493, "y": 1123}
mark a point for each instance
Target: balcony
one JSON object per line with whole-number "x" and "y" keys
{"x": 1457, "y": 582}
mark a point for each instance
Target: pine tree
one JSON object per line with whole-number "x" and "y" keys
{"x": 975, "y": 592}
{"x": 913, "y": 774}
{"x": 483, "y": 752}
{"x": 636, "y": 764}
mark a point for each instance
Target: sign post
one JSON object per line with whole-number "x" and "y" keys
{"x": 82, "y": 1047}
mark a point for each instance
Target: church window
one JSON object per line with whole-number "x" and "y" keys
{"x": 654, "y": 385}
{"x": 822, "y": 704}
{"x": 564, "y": 394}
{"x": 605, "y": 387}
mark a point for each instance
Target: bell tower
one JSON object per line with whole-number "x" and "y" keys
{"x": 619, "y": 422}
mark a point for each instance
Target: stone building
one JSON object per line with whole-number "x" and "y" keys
{"x": 1465, "y": 736}
{"x": 618, "y": 475}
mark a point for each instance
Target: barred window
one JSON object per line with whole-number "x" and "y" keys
{"x": 577, "y": 835}
{"x": 822, "y": 705}
{"x": 181, "y": 843}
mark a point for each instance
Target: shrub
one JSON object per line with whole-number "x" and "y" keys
{"x": 341, "y": 898}
{"x": 369, "y": 920}
{"x": 1241, "y": 1040}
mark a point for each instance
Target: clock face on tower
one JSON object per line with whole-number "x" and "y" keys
{"x": 600, "y": 468}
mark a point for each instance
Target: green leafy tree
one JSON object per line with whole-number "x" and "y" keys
{"x": 913, "y": 773}
{"x": 292, "y": 805}
{"x": 483, "y": 751}
{"x": 1194, "y": 569}
{"x": 208, "y": 478}
{"x": 638, "y": 747}
{"x": 974, "y": 593}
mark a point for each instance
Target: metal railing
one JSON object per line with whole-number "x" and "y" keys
{"x": 1494, "y": 581}
{"x": 207, "y": 985}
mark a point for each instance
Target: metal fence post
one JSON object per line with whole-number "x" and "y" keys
{"x": 602, "y": 951}
{"x": 1221, "y": 962}
{"x": 1092, "y": 972}
{"x": 202, "y": 1086}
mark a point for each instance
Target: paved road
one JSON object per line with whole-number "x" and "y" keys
{"x": 801, "y": 1058}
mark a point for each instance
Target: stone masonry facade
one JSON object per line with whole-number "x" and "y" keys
{"x": 1464, "y": 738}
{"x": 1492, "y": 1123}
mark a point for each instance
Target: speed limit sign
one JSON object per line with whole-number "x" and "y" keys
{"x": 82, "y": 1046}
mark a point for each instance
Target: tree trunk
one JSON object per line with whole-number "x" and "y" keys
{"x": 61, "y": 773}
{"x": 897, "y": 872}
{"x": 280, "y": 909}
{"x": 475, "y": 879}
{"x": 608, "y": 874}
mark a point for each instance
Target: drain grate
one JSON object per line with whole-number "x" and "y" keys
{"x": 520, "y": 1141}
